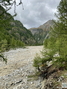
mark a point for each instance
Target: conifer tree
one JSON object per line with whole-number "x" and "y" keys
{"x": 56, "y": 44}
{"x": 59, "y": 34}
{"x": 6, "y": 5}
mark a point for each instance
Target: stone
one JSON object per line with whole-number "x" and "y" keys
{"x": 18, "y": 77}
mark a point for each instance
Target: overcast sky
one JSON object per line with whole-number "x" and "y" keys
{"x": 36, "y": 12}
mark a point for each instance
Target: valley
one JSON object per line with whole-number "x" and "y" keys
{"x": 33, "y": 58}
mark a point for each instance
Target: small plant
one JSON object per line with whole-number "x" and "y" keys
{"x": 3, "y": 58}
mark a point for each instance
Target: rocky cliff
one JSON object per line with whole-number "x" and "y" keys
{"x": 41, "y": 32}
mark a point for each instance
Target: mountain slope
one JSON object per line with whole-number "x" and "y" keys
{"x": 20, "y": 32}
{"x": 12, "y": 32}
{"x": 46, "y": 26}
{"x": 41, "y": 32}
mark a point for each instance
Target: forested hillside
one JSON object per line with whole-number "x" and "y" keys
{"x": 12, "y": 32}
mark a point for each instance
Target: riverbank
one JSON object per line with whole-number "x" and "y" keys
{"x": 14, "y": 74}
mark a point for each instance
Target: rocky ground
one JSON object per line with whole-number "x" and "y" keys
{"x": 14, "y": 74}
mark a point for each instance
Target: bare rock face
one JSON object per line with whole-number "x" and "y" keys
{"x": 41, "y": 32}
{"x": 45, "y": 27}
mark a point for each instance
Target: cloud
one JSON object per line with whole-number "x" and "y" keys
{"x": 36, "y": 12}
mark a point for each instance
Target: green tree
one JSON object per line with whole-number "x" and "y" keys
{"x": 55, "y": 47}
{"x": 6, "y": 5}
{"x": 59, "y": 33}
{"x": 3, "y": 47}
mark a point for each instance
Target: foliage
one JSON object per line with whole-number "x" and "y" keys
{"x": 12, "y": 32}
{"x": 8, "y": 4}
{"x": 3, "y": 58}
{"x": 56, "y": 44}
{"x": 6, "y": 41}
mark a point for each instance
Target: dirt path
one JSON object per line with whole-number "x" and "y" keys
{"x": 18, "y": 58}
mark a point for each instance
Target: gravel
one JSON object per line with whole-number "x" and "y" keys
{"x": 15, "y": 74}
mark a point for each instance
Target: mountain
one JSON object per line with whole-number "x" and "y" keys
{"x": 46, "y": 26}
{"x": 12, "y": 32}
{"x": 41, "y": 32}
{"x": 19, "y": 32}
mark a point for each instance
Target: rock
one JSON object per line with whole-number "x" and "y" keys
{"x": 18, "y": 77}
{"x": 31, "y": 82}
{"x": 43, "y": 84}
{"x": 26, "y": 87}
{"x": 61, "y": 78}
{"x": 25, "y": 80}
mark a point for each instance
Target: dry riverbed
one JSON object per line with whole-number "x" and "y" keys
{"x": 13, "y": 75}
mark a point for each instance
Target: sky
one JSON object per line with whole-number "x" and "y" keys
{"x": 36, "y": 12}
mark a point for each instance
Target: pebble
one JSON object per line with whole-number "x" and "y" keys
{"x": 18, "y": 79}
{"x": 12, "y": 80}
